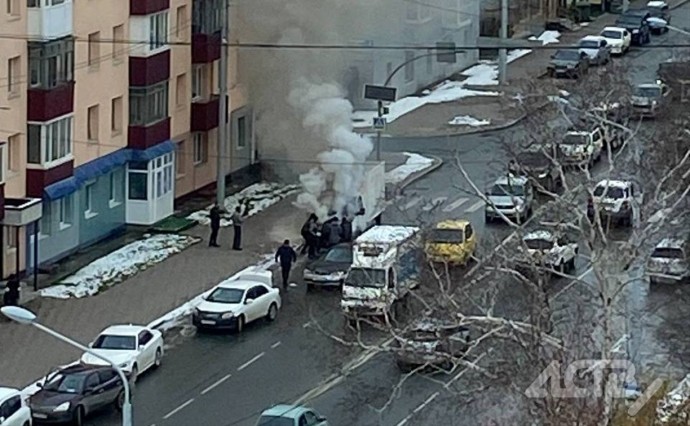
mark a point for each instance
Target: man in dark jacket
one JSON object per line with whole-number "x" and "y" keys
{"x": 286, "y": 256}
{"x": 214, "y": 216}
{"x": 309, "y": 236}
{"x": 11, "y": 296}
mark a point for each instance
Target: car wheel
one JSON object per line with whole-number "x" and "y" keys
{"x": 310, "y": 287}
{"x": 487, "y": 218}
{"x": 272, "y": 312}
{"x": 404, "y": 367}
{"x": 120, "y": 400}
{"x": 571, "y": 265}
{"x": 79, "y": 416}
{"x": 134, "y": 375}
{"x": 26, "y": 424}
{"x": 158, "y": 359}
{"x": 240, "y": 324}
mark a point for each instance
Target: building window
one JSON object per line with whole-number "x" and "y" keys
{"x": 89, "y": 211}
{"x": 94, "y": 49}
{"x": 158, "y": 30}
{"x": 33, "y": 3}
{"x": 13, "y": 7}
{"x": 200, "y": 153}
{"x": 206, "y": 16}
{"x": 137, "y": 176}
{"x": 118, "y": 42}
{"x": 409, "y": 66}
{"x": 49, "y": 142}
{"x": 180, "y": 158}
{"x": 199, "y": 82}
{"x": 429, "y": 63}
{"x": 148, "y": 105}
{"x": 65, "y": 211}
{"x": 163, "y": 174}
{"x": 51, "y": 64}
{"x": 3, "y": 162}
{"x": 114, "y": 197}
{"x": 241, "y": 132}
{"x": 92, "y": 123}
{"x": 44, "y": 227}
{"x": 13, "y": 77}
{"x": 116, "y": 115}
{"x": 181, "y": 90}
{"x": 181, "y": 22}
{"x": 10, "y": 237}
{"x": 13, "y": 147}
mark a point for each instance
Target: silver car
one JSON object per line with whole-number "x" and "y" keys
{"x": 596, "y": 48}
{"x": 669, "y": 261}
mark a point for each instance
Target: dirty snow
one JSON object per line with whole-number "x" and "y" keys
{"x": 415, "y": 163}
{"x": 547, "y": 37}
{"x": 466, "y": 120}
{"x": 386, "y": 234}
{"x": 119, "y": 265}
{"x": 252, "y": 200}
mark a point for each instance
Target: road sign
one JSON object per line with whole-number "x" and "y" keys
{"x": 379, "y": 93}
{"x": 379, "y": 123}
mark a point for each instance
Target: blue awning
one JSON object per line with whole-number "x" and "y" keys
{"x": 153, "y": 152}
{"x": 100, "y": 166}
{"x": 61, "y": 189}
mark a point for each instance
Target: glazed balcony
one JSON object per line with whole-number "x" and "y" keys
{"x": 48, "y": 22}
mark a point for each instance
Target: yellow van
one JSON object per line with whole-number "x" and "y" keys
{"x": 451, "y": 241}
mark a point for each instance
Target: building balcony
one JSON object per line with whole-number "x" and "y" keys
{"x": 47, "y": 104}
{"x": 149, "y": 70}
{"x": 144, "y": 137}
{"x": 49, "y": 22}
{"x": 38, "y": 179}
{"x": 205, "y": 115}
{"x": 22, "y": 211}
{"x": 205, "y": 48}
{"x": 147, "y": 7}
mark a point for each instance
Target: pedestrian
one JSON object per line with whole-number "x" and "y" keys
{"x": 307, "y": 233}
{"x": 334, "y": 237}
{"x": 325, "y": 234}
{"x": 286, "y": 256}
{"x": 11, "y": 296}
{"x": 346, "y": 230}
{"x": 214, "y": 216}
{"x": 314, "y": 237}
{"x": 237, "y": 227}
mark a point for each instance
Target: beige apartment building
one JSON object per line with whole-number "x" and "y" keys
{"x": 108, "y": 114}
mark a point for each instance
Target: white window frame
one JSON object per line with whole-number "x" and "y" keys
{"x": 65, "y": 211}
{"x": 45, "y": 226}
{"x": 162, "y": 170}
{"x": 89, "y": 211}
{"x": 199, "y": 148}
{"x": 113, "y": 199}
{"x": 56, "y": 134}
{"x": 199, "y": 82}
{"x": 158, "y": 31}
{"x": 4, "y": 152}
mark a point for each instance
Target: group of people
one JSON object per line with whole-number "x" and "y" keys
{"x": 318, "y": 236}
{"x": 236, "y": 218}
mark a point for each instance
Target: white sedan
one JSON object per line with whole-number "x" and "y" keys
{"x": 619, "y": 39}
{"x": 238, "y": 301}
{"x": 133, "y": 348}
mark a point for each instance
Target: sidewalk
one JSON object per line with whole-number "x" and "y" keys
{"x": 28, "y": 354}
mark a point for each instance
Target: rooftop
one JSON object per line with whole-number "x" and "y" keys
{"x": 614, "y": 183}
{"x": 671, "y": 243}
{"x": 386, "y": 234}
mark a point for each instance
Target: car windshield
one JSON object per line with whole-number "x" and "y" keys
{"x": 69, "y": 383}
{"x": 366, "y": 277}
{"x": 446, "y": 236}
{"x": 589, "y": 44}
{"x": 339, "y": 255}
{"x": 648, "y": 92}
{"x": 275, "y": 421}
{"x": 106, "y": 341}
{"x": 226, "y": 295}
{"x": 532, "y": 158}
{"x": 616, "y": 35}
{"x": 611, "y": 191}
{"x": 574, "y": 139}
{"x": 567, "y": 55}
{"x": 538, "y": 244}
{"x": 668, "y": 253}
{"x": 629, "y": 21}
{"x": 506, "y": 189}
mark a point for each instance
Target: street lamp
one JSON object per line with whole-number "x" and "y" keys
{"x": 26, "y": 317}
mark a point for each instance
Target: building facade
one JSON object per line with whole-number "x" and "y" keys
{"x": 106, "y": 122}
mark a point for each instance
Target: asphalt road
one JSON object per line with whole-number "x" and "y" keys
{"x": 220, "y": 379}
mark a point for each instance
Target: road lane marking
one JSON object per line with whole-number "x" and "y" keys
{"x": 178, "y": 409}
{"x": 474, "y": 207}
{"x": 216, "y": 384}
{"x": 455, "y": 204}
{"x": 275, "y": 345}
{"x": 421, "y": 406}
{"x": 250, "y": 362}
{"x": 412, "y": 203}
{"x": 434, "y": 203}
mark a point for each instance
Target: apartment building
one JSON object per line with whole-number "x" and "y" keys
{"x": 110, "y": 113}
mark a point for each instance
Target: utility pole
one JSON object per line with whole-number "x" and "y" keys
{"x": 378, "y": 132}
{"x": 222, "y": 105}
{"x": 503, "y": 53}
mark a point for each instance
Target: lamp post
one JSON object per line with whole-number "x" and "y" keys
{"x": 26, "y": 317}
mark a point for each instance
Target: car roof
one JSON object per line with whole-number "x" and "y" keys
{"x": 124, "y": 330}
{"x": 649, "y": 85}
{"x": 656, "y": 3}
{"x": 620, "y": 29}
{"x": 540, "y": 234}
{"x": 636, "y": 12}
{"x": 240, "y": 284}
{"x": 452, "y": 224}
{"x": 614, "y": 183}
{"x": 82, "y": 368}
{"x": 511, "y": 180}
{"x": 7, "y": 392}
{"x": 593, "y": 38}
{"x": 433, "y": 324}
{"x": 671, "y": 243}
{"x": 284, "y": 410}
{"x": 578, "y": 132}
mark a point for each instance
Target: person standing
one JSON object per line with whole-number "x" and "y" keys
{"x": 214, "y": 216}
{"x": 307, "y": 234}
{"x": 286, "y": 256}
{"x": 11, "y": 296}
{"x": 237, "y": 227}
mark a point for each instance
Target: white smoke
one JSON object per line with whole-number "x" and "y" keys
{"x": 327, "y": 115}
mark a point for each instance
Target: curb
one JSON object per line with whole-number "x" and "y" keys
{"x": 682, "y": 3}
{"x": 438, "y": 162}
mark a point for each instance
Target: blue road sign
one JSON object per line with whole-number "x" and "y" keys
{"x": 379, "y": 122}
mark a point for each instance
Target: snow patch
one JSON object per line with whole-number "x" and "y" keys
{"x": 252, "y": 200}
{"x": 414, "y": 163}
{"x": 547, "y": 37}
{"x": 466, "y": 120}
{"x": 119, "y": 265}
{"x": 386, "y": 234}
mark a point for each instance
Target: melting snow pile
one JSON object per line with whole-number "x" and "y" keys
{"x": 673, "y": 406}
{"x": 547, "y": 37}
{"x": 119, "y": 265}
{"x": 252, "y": 200}
{"x": 466, "y": 120}
{"x": 415, "y": 163}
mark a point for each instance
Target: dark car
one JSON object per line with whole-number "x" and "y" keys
{"x": 659, "y": 10}
{"x": 70, "y": 394}
{"x": 329, "y": 269}
{"x": 635, "y": 21}
{"x": 430, "y": 342}
{"x": 537, "y": 163}
{"x": 568, "y": 63}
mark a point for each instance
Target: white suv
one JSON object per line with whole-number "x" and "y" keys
{"x": 669, "y": 261}
{"x": 551, "y": 250}
{"x": 13, "y": 409}
{"x": 581, "y": 148}
{"x": 616, "y": 200}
